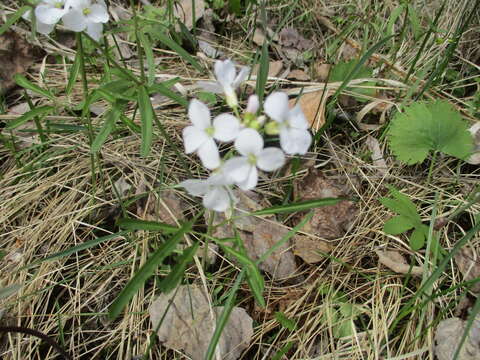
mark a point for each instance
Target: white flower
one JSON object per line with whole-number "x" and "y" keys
{"x": 40, "y": 27}
{"x": 200, "y": 137}
{"x": 215, "y": 191}
{"x": 227, "y": 81}
{"x": 294, "y": 135}
{"x": 253, "y": 104}
{"x": 89, "y": 15}
{"x": 49, "y": 12}
{"x": 243, "y": 169}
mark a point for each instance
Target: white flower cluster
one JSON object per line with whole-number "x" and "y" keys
{"x": 244, "y": 130}
{"x": 76, "y": 15}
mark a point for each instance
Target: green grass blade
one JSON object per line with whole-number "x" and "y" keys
{"x": 26, "y": 84}
{"x": 74, "y": 71}
{"x": 14, "y": 18}
{"x": 147, "y": 48}
{"x": 147, "y": 270}
{"x": 9, "y": 290}
{"x": 224, "y": 316}
{"x": 176, "y": 274}
{"x": 162, "y": 89}
{"x": 179, "y": 50}
{"x": 146, "y": 114}
{"x": 109, "y": 124}
{"x": 38, "y": 111}
{"x": 134, "y": 224}
{"x": 299, "y": 206}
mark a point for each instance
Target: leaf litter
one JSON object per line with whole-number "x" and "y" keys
{"x": 448, "y": 336}
{"x": 186, "y": 322}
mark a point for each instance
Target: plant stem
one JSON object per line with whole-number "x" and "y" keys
{"x": 86, "y": 111}
{"x": 430, "y": 170}
{"x": 137, "y": 40}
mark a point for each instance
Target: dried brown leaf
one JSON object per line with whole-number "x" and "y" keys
{"x": 259, "y": 37}
{"x": 396, "y": 262}
{"x": 321, "y": 71}
{"x": 183, "y": 11}
{"x": 328, "y": 222}
{"x": 448, "y": 336}
{"x": 310, "y": 249}
{"x": 299, "y": 75}
{"x": 313, "y": 106}
{"x": 377, "y": 155}
{"x": 290, "y": 37}
{"x": 191, "y": 331}
{"x": 274, "y": 68}
{"x": 468, "y": 263}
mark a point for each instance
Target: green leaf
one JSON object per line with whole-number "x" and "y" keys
{"x": 178, "y": 49}
{"x": 146, "y": 115}
{"x": 74, "y": 71}
{"x": 38, "y": 111}
{"x": 14, "y": 18}
{"x": 9, "y": 290}
{"x": 285, "y": 321}
{"x": 164, "y": 90}
{"x": 134, "y": 224}
{"x": 397, "y": 225}
{"x": 425, "y": 127}
{"x": 26, "y": 84}
{"x": 176, "y": 274}
{"x": 146, "y": 271}
{"x": 108, "y": 125}
{"x": 254, "y": 278}
{"x": 299, "y": 206}
{"x": 147, "y": 48}
{"x": 417, "y": 239}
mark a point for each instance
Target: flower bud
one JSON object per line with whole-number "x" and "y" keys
{"x": 271, "y": 128}
{"x": 232, "y": 100}
{"x": 253, "y": 104}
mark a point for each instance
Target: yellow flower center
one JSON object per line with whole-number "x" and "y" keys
{"x": 252, "y": 159}
{"x": 87, "y": 11}
{"x": 59, "y": 5}
{"x": 210, "y": 131}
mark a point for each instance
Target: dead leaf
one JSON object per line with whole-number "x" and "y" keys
{"x": 259, "y": 37}
{"x": 377, "y": 155}
{"x": 299, "y": 75}
{"x": 313, "y": 106}
{"x": 16, "y": 56}
{"x": 474, "y": 159}
{"x": 321, "y": 71}
{"x": 183, "y": 11}
{"x": 328, "y": 222}
{"x": 310, "y": 249}
{"x": 468, "y": 263}
{"x": 191, "y": 331}
{"x": 259, "y": 234}
{"x": 448, "y": 337}
{"x": 167, "y": 207}
{"x": 396, "y": 262}
{"x": 122, "y": 186}
{"x": 290, "y": 37}
{"x": 274, "y": 68}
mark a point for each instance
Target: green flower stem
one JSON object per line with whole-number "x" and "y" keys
{"x": 430, "y": 170}
{"x": 38, "y": 125}
{"x": 86, "y": 111}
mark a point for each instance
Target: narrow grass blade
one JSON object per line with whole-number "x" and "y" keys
{"x": 162, "y": 89}
{"x": 134, "y": 224}
{"x": 176, "y": 274}
{"x": 147, "y": 48}
{"x": 299, "y": 206}
{"x": 146, "y": 271}
{"x": 179, "y": 50}
{"x": 146, "y": 114}
{"x": 83, "y": 246}
{"x": 74, "y": 71}
{"x": 224, "y": 316}
{"x": 26, "y": 84}
{"x": 263, "y": 72}
{"x": 9, "y": 290}
{"x": 109, "y": 124}
{"x": 254, "y": 277}
{"x": 14, "y": 18}
{"x": 38, "y": 111}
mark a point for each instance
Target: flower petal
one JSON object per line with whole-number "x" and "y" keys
{"x": 210, "y": 86}
{"x": 297, "y": 119}
{"x": 225, "y": 72}
{"x": 98, "y": 14}
{"x": 270, "y": 159}
{"x": 199, "y": 114}
{"x": 193, "y": 138}
{"x": 216, "y": 199}
{"x": 48, "y": 14}
{"x": 295, "y": 141}
{"x": 195, "y": 187}
{"x": 276, "y": 106}
{"x": 226, "y": 127}
{"x": 251, "y": 181}
{"x": 241, "y": 77}
{"x": 44, "y": 29}
{"x": 248, "y": 142}
{"x": 208, "y": 153}
{"x": 237, "y": 169}
{"x": 95, "y": 30}
{"x": 74, "y": 20}
{"x": 253, "y": 104}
